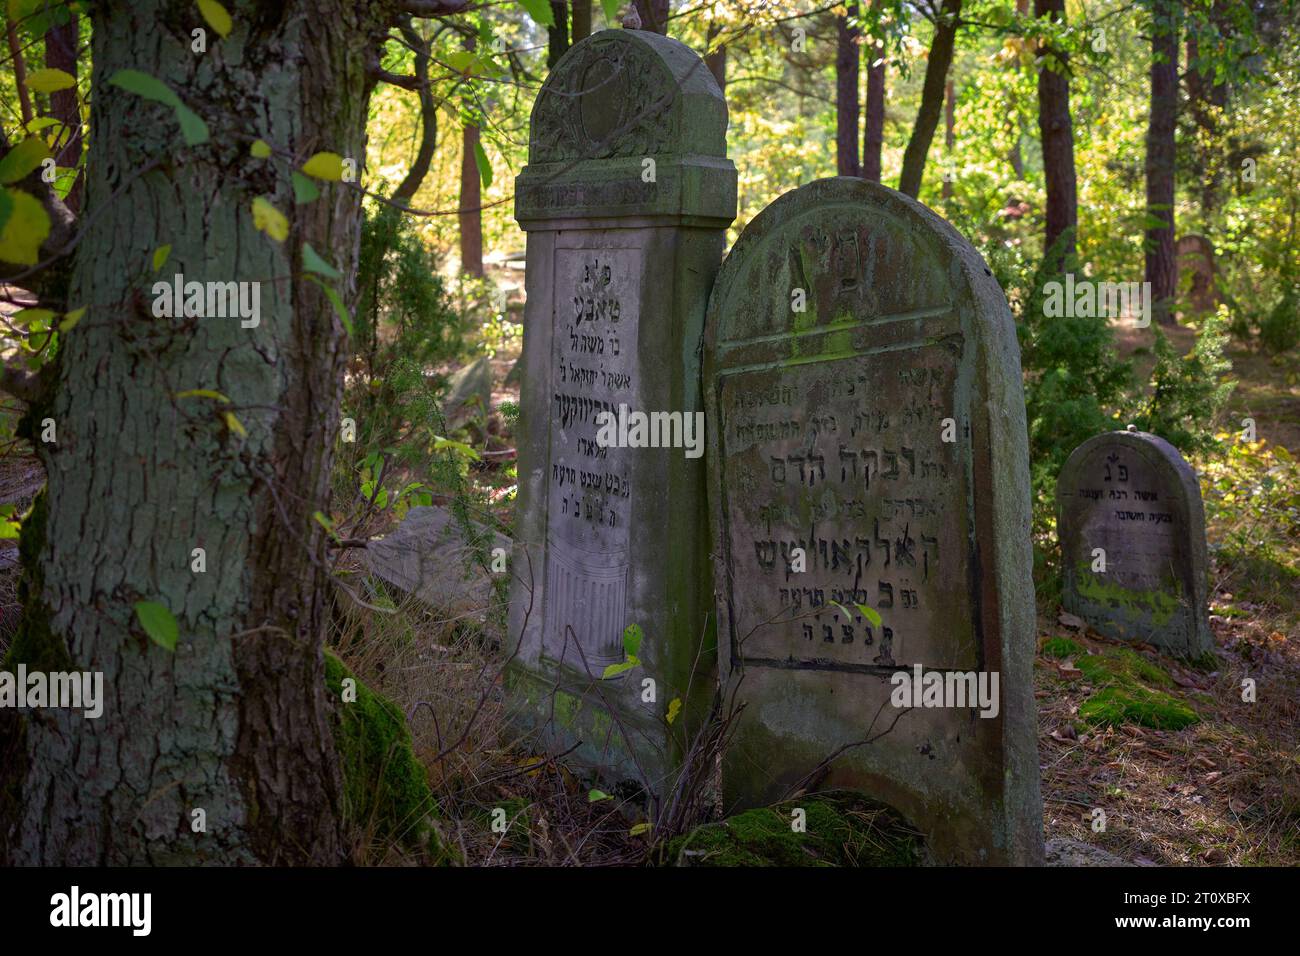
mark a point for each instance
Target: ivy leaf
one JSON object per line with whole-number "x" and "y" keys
{"x": 540, "y": 11}
{"x": 268, "y": 219}
{"x": 50, "y": 80}
{"x": 312, "y": 261}
{"x": 484, "y": 167}
{"x": 193, "y": 129}
{"x": 325, "y": 166}
{"x": 22, "y": 159}
{"x": 260, "y": 149}
{"x": 216, "y": 16}
{"x": 25, "y": 228}
{"x": 158, "y": 623}
{"x": 160, "y": 256}
{"x": 336, "y": 300}
{"x": 304, "y": 190}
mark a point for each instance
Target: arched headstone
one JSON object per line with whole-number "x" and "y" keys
{"x": 869, "y": 477}
{"x": 625, "y": 199}
{"x": 1132, "y": 532}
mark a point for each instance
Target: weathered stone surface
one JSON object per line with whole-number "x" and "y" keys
{"x": 625, "y": 201}
{"x": 1131, "y": 495}
{"x": 1065, "y": 852}
{"x": 428, "y": 557}
{"x": 826, "y": 434}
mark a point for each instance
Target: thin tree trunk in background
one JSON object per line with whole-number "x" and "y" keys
{"x": 1015, "y": 158}
{"x": 873, "y": 136}
{"x": 1057, "y": 133}
{"x": 470, "y": 215}
{"x": 428, "y": 119}
{"x": 847, "y": 58}
{"x": 927, "y": 117}
{"x": 581, "y": 20}
{"x": 716, "y": 61}
{"x": 19, "y": 67}
{"x": 61, "y": 54}
{"x": 235, "y": 720}
{"x": 557, "y": 34}
{"x": 949, "y": 137}
{"x": 1161, "y": 261}
{"x": 654, "y": 15}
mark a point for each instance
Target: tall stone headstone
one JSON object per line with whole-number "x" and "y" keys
{"x": 870, "y": 483}
{"x": 625, "y": 199}
{"x": 1132, "y": 532}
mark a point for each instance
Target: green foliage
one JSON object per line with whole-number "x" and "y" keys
{"x": 1189, "y": 391}
{"x": 1280, "y": 329}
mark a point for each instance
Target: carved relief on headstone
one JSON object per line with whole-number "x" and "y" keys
{"x": 1133, "y": 551}
{"x": 625, "y": 201}
{"x": 870, "y": 483}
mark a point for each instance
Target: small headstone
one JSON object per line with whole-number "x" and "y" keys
{"x": 1133, "y": 551}
{"x": 430, "y": 557}
{"x": 625, "y": 200}
{"x": 869, "y": 476}
{"x": 469, "y": 392}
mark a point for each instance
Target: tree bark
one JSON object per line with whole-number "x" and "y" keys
{"x": 873, "y": 136}
{"x": 581, "y": 20}
{"x": 847, "y": 57}
{"x": 716, "y": 60}
{"x": 235, "y": 720}
{"x": 61, "y": 54}
{"x": 949, "y": 135}
{"x": 654, "y": 15}
{"x": 1057, "y": 134}
{"x": 409, "y": 186}
{"x": 557, "y": 34}
{"x": 1161, "y": 261}
{"x": 927, "y": 117}
{"x": 470, "y": 214}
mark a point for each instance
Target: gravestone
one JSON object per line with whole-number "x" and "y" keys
{"x": 870, "y": 480}
{"x": 1132, "y": 532}
{"x": 625, "y": 200}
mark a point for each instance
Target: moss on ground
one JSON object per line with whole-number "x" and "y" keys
{"x": 385, "y": 790}
{"x": 1062, "y": 647}
{"x": 842, "y": 829}
{"x": 1129, "y": 688}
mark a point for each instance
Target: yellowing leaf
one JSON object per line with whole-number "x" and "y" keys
{"x": 50, "y": 80}
{"x": 216, "y": 16}
{"x": 22, "y": 159}
{"x": 260, "y": 148}
{"x": 674, "y": 708}
{"x": 639, "y": 829}
{"x": 235, "y": 425}
{"x": 268, "y": 219}
{"x": 324, "y": 166}
{"x": 160, "y": 256}
{"x": 202, "y": 393}
{"x": 71, "y": 319}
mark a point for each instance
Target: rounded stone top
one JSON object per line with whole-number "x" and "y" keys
{"x": 628, "y": 93}
{"x": 1160, "y": 454}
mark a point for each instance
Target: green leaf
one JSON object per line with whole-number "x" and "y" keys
{"x": 22, "y": 159}
{"x": 71, "y": 319}
{"x": 260, "y": 149}
{"x": 50, "y": 80}
{"x": 9, "y": 529}
{"x": 6, "y": 208}
{"x": 870, "y": 613}
{"x": 632, "y": 639}
{"x": 336, "y": 300}
{"x": 158, "y": 623}
{"x": 25, "y": 228}
{"x": 304, "y": 190}
{"x": 639, "y": 829}
{"x": 540, "y": 11}
{"x": 193, "y": 129}
{"x": 160, "y": 256}
{"x": 484, "y": 167}
{"x": 613, "y": 670}
{"x": 30, "y": 316}
{"x": 312, "y": 261}
{"x": 216, "y": 16}
{"x": 595, "y": 796}
{"x": 42, "y": 122}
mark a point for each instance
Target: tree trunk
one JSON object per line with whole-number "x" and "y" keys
{"x": 581, "y": 20}
{"x": 873, "y": 136}
{"x": 654, "y": 15}
{"x": 235, "y": 720}
{"x": 1057, "y": 134}
{"x": 927, "y": 117}
{"x": 557, "y": 34}
{"x": 716, "y": 61}
{"x": 949, "y": 136}
{"x": 847, "y": 57}
{"x": 1161, "y": 261}
{"x": 470, "y": 214}
{"x": 409, "y": 186}
{"x": 61, "y": 54}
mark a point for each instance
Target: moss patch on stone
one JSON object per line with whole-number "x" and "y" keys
{"x": 841, "y": 829}
{"x": 385, "y": 790}
{"x": 1061, "y": 647}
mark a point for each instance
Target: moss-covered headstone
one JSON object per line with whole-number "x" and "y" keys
{"x": 1132, "y": 532}
{"x": 869, "y": 477}
{"x": 625, "y": 200}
